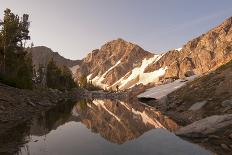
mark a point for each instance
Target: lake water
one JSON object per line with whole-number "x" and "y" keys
{"x": 100, "y": 127}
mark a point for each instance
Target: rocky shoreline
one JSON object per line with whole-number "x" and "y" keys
{"x": 203, "y": 108}
{"x": 18, "y": 106}
{"x": 213, "y": 132}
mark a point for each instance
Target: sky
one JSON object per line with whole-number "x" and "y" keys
{"x": 76, "y": 27}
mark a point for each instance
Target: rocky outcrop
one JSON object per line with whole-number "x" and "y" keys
{"x": 41, "y": 55}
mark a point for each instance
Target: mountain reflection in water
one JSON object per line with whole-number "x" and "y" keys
{"x": 118, "y": 121}
{"x": 117, "y": 127}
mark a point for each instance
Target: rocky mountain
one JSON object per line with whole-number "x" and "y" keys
{"x": 109, "y": 64}
{"x": 124, "y": 64}
{"x": 200, "y": 55}
{"x": 42, "y": 55}
{"x": 115, "y": 62}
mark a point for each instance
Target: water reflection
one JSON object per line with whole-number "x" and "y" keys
{"x": 97, "y": 127}
{"x": 119, "y": 121}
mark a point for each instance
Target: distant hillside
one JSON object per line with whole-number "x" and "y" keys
{"x": 42, "y": 55}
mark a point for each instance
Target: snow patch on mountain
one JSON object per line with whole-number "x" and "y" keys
{"x": 161, "y": 91}
{"x": 98, "y": 79}
{"x": 139, "y": 73}
{"x": 133, "y": 77}
{"x": 146, "y": 78}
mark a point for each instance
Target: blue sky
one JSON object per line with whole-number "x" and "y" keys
{"x": 76, "y": 27}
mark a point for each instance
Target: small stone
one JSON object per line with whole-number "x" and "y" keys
{"x": 230, "y": 136}
{"x": 226, "y": 109}
{"x": 4, "y": 121}
{"x": 204, "y": 140}
{"x": 225, "y": 147}
{"x": 214, "y": 136}
{"x": 31, "y": 103}
{"x": 197, "y": 105}
{"x": 227, "y": 103}
{"x": 2, "y": 107}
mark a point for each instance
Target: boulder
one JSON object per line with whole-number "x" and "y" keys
{"x": 189, "y": 73}
{"x": 225, "y": 147}
{"x": 230, "y": 136}
{"x": 227, "y": 103}
{"x": 206, "y": 126}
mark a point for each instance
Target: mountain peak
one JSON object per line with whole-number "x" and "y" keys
{"x": 117, "y": 41}
{"x": 120, "y": 39}
{"x": 229, "y": 20}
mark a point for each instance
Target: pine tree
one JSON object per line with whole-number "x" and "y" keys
{"x": 83, "y": 81}
{"x": 59, "y": 78}
{"x": 15, "y": 63}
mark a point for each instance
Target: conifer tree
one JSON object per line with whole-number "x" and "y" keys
{"x": 15, "y": 63}
{"x": 59, "y": 78}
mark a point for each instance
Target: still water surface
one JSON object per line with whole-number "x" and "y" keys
{"x": 103, "y": 127}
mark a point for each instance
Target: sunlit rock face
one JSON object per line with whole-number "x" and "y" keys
{"x": 200, "y": 55}
{"x": 124, "y": 64}
{"x": 119, "y": 121}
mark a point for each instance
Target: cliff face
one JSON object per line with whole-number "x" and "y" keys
{"x": 123, "y": 64}
{"x": 41, "y": 56}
